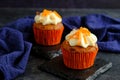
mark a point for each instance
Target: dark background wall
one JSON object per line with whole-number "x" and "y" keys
{"x": 61, "y": 3}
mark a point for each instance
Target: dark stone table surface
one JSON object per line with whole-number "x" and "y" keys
{"x": 32, "y": 73}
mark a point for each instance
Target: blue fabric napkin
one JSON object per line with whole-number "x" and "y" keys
{"x": 16, "y": 39}
{"x": 107, "y": 29}
{"x": 14, "y": 47}
{"x": 24, "y": 25}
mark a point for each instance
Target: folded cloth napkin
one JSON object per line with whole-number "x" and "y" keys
{"x": 107, "y": 29}
{"x": 23, "y": 25}
{"x": 14, "y": 53}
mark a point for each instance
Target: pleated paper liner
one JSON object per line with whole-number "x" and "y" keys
{"x": 57, "y": 68}
{"x": 77, "y": 60}
{"x": 48, "y": 37}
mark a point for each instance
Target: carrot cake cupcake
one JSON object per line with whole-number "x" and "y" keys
{"x": 79, "y": 49}
{"x": 48, "y": 28}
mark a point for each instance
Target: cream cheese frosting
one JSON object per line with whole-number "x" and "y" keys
{"x": 81, "y": 37}
{"x": 48, "y": 17}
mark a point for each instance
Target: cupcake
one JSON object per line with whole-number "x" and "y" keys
{"x": 79, "y": 49}
{"x": 48, "y": 28}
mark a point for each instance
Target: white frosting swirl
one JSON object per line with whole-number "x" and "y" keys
{"x": 50, "y": 18}
{"x": 81, "y": 38}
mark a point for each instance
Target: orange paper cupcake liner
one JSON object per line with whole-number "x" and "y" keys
{"x": 78, "y": 60}
{"x": 48, "y": 37}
